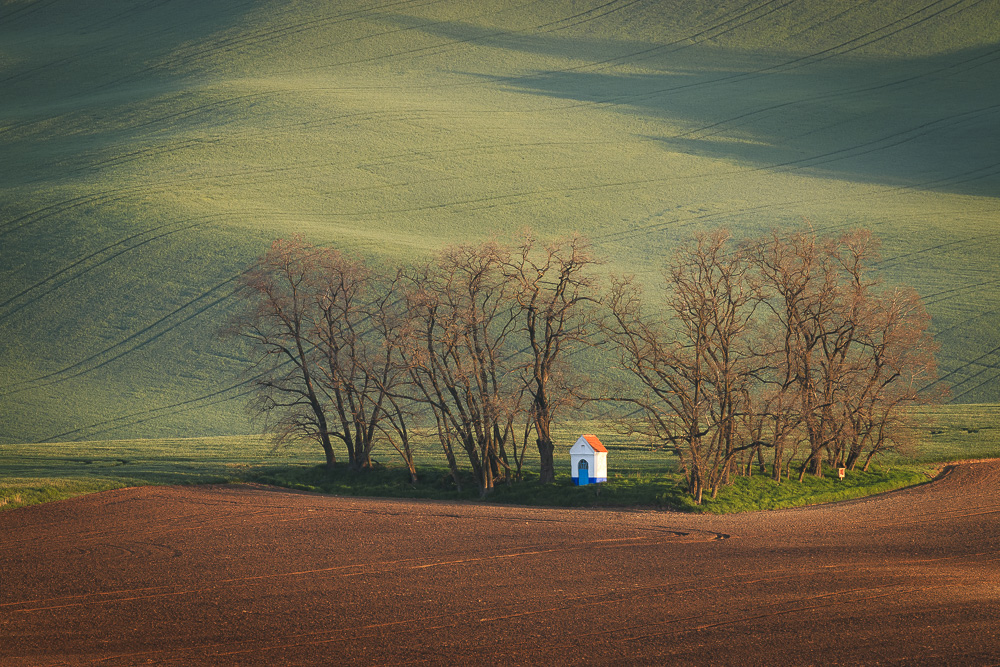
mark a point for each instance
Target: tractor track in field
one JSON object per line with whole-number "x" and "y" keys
{"x": 94, "y": 260}
{"x": 385, "y": 18}
{"x": 875, "y": 145}
{"x": 743, "y": 16}
{"x": 252, "y": 575}
{"x": 883, "y": 143}
{"x": 243, "y": 40}
{"x": 134, "y": 341}
{"x": 716, "y": 216}
{"x": 207, "y": 399}
{"x": 131, "y": 419}
{"x": 807, "y": 58}
{"x": 25, "y": 9}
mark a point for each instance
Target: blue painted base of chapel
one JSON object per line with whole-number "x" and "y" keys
{"x": 592, "y": 480}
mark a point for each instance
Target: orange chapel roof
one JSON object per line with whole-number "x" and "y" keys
{"x": 594, "y": 443}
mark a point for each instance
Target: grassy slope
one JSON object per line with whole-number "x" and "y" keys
{"x": 638, "y": 475}
{"x": 149, "y": 150}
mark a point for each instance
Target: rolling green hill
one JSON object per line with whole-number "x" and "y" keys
{"x": 150, "y": 149}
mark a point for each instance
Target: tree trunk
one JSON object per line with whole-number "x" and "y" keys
{"x": 486, "y": 476}
{"x": 449, "y": 453}
{"x": 805, "y": 466}
{"x": 696, "y": 484}
{"x": 818, "y": 464}
{"x": 546, "y": 456}
{"x": 852, "y": 459}
{"x": 331, "y": 458}
{"x": 324, "y": 434}
{"x": 816, "y": 461}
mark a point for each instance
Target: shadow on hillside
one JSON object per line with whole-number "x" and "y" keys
{"x": 914, "y": 124}
{"x": 95, "y": 276}
{"x": 82, "y": 50}
{"x": 924, "y": 123}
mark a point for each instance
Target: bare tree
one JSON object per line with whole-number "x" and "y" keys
{"x": 390, "y": 321}
{"x": 463, "y": 314}
{"x": 355, "y": 366}
{"x": 316, "y": 319}
{"x": 556, "y": 292}
{"x": 846, "y": 355}
{"x": 714, "y": 305}
{"x": 816, "y": 312}
{"x": 786, "y": 340}
{"x": 896, "y": 360}
{"x": 696, "y": 368}
{"x": 779, "y": 342}
{"x": 277, "y": 322}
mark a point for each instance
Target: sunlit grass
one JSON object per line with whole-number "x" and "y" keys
{"x": 35, "y": 473}
{"x": 147, "y": 155}
{"x": 749, "y": 494}
{"x": 638, "y": 475}
{"x": 957, "y": 432}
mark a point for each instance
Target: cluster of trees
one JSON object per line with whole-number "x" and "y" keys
{"x": 470, "y": 343}
{"x": 783, "y": 343}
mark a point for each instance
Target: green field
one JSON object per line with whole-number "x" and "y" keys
{"x": 150, "y": 150}
{"x": 637, "y": 473}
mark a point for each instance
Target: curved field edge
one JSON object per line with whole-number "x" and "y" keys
{"x": 639, "y": 476}
{"x": 658, "y": 492}
{"x": 665, "y": 492}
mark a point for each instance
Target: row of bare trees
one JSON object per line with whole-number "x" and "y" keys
{"x": 783, "y": 344}
{"x": 780, "y": 343}
{"x": 469, "y": 342}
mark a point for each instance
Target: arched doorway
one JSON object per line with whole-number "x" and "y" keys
{"x": 583, "y": 472}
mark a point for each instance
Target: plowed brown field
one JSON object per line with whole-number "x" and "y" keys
{"x": 252, "y": 575}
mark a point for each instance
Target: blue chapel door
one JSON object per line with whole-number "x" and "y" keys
{"x": 583, "y": 473}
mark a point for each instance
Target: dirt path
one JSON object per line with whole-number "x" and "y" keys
{"x": 246, "y": 575}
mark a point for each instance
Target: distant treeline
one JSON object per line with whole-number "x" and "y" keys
{"x": 784, "y": 345}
